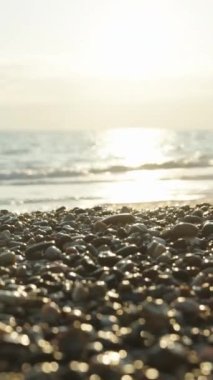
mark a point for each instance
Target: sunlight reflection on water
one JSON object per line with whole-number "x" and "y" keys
{"x": 85, "y": 168}
{"x": 134, "y": 146}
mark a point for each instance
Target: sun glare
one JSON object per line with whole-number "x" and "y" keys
{"x": 129, "y": 149}
{"x": 134, "y": 146}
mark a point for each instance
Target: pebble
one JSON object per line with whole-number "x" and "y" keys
{"x": 99, "y": 226}
{"x": 80, "y": 292}
{"x": 36, "y": 251}
{"x": 5, "y": 235}
{"x": 192, "y": 219}
{"x": 155, "y": 249}
{"x": 168, "y": 355}
{"x": 7, "y": 258}
{"x": 108, "y": 258}
{"x": 192, "y": 259}
{"x": 156, "y": 316}
{"x": 97, "y": 294}
{"x": 189, "y": 307}
{"x": 184, "y": 229}
{"x": 138, "y": 227}
{"x": 73, "y": 342}
{"x": 207, "y": 228}
{"x": 52, "y": 253}
{"x": 12, "y": 297}
{"x": 127, "y": 250}
{"x": 125, "y": 218}
{"x": 50, "y": 313}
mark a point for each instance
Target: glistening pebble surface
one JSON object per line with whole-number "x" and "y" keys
{"x": 99, "y": 294}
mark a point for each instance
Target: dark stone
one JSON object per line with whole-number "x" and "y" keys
{"x": 108, "y": 258}
{"x": 119, "y": 219}
{"x": 128, "y": 250}
{"x": 192, "y": 219}
{"x": 36, "y": 251}
{"x": 207, "y": 228}
{"x": 7, "y": 258}
{"x": 168, "y": 359}
{"x": 184, "y": 229}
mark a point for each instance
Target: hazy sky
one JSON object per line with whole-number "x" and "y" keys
{"x": 91, "y": 63}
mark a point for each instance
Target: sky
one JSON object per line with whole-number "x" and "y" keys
{"x": 106, "y": 63}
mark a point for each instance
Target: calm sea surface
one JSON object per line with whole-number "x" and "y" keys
{"x": 85, "y": 168}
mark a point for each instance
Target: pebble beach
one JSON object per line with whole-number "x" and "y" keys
{"x": 106, "y": 190}
{"x": 104, "y": 293}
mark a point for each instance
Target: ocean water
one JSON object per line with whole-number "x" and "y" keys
{"x": 45, "y": 170}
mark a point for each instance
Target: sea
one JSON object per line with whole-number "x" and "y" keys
{"x": 46, "y": 170}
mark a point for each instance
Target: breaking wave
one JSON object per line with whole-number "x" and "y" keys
{"x": 25, "y": 176}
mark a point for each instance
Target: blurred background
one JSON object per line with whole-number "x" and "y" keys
{"x": 105, "y": 102}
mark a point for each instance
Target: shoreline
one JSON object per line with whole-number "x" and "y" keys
{"x": 156, "y": 204}
{"x": 115, "y": 206}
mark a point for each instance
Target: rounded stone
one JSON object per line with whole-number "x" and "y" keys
{"x": 5, "y": 235}
{"x": 119, "y": 219}
{"x": 52, "y": 253}
{"x": 138, "y": 227}
{"x": 108, "y": 258}
{"x": 155, "y": 249}
{"x": 99, "y": 226}
{"x": 180, "y": 274}
{"x": 183, "y": 229}
{"x": 167, "y": 356}
{"x": 188, "y": 306}
{"x": 50, "y": 313}
{"x": 80, "y": 292}
{"x": 207, "y": 228}
{"x": 7, "y": 258}
{"x": 192, "y": 259}
{"x": 127, "y": 250}
{"x": 36, "y": 251}
{"x": 73, "y": 342}
{"x": 195, "y": 219}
